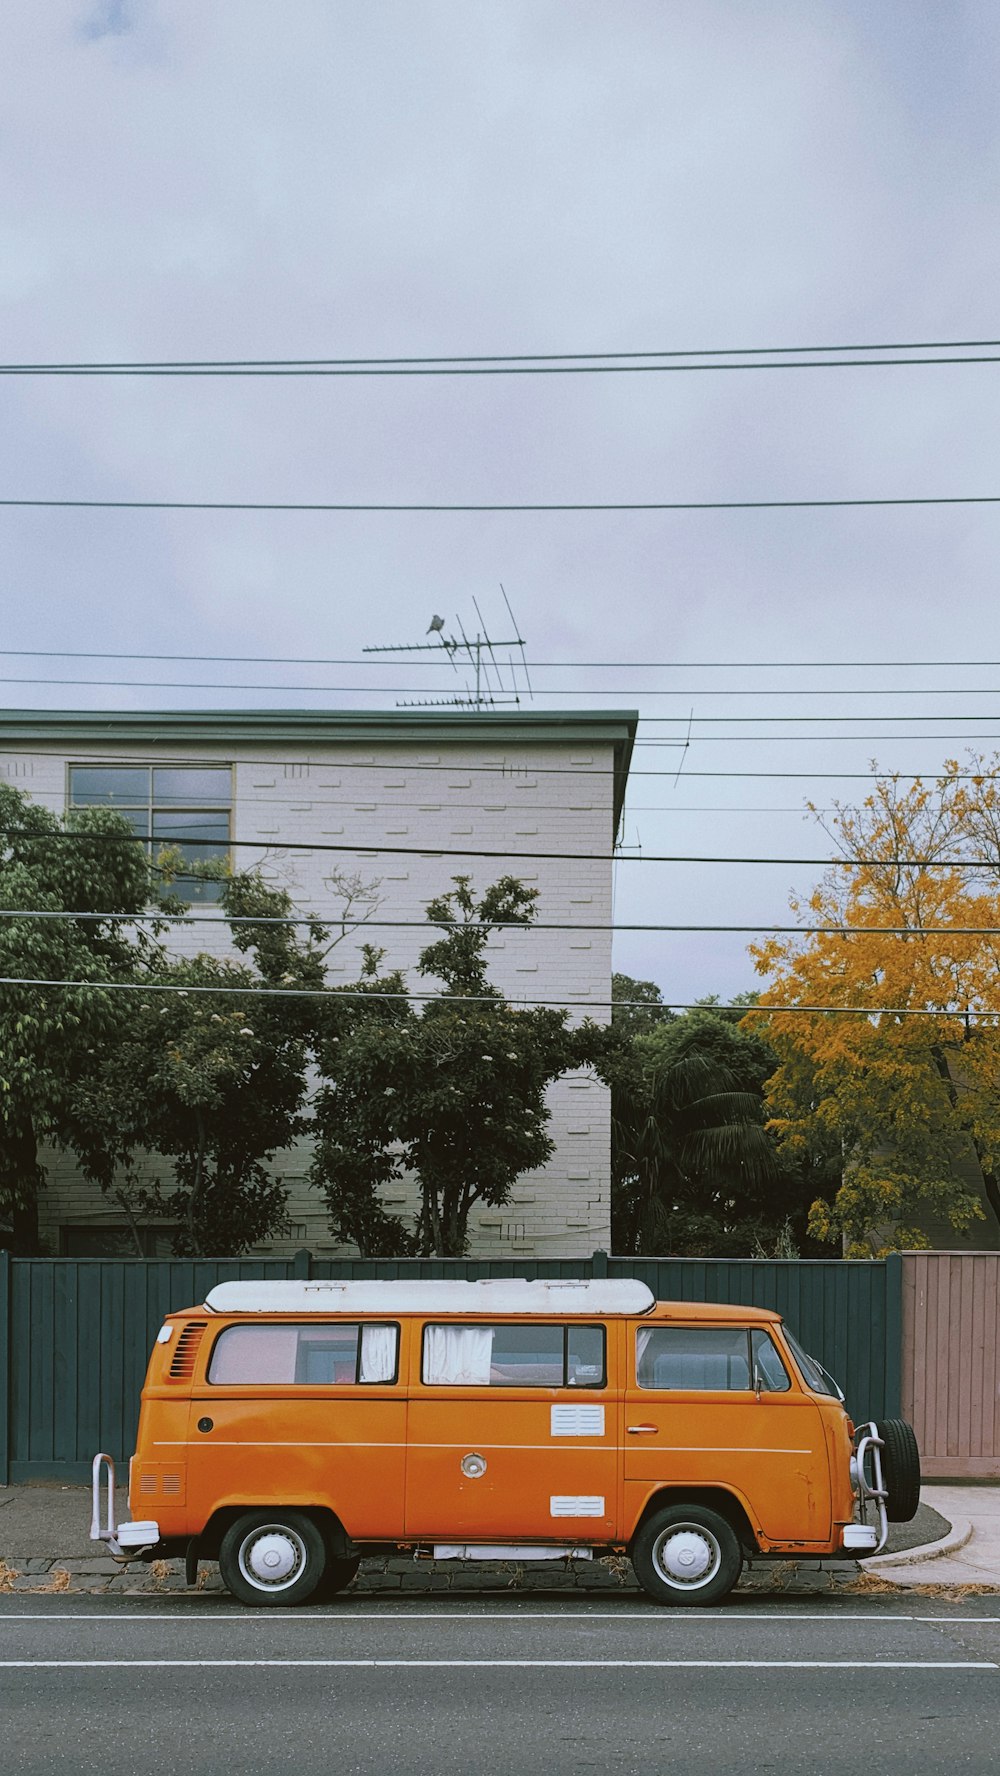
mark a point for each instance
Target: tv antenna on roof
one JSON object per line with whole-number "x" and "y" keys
{"x": 479, "y": 653}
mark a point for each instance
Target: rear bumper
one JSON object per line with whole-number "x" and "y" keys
{"x": 124, "y": 1541}
{"x": 860, "y": 1538}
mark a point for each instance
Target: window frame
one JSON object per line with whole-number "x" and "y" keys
{"x": 304, "y": 1386}
{"x": 183, "y": 884}
{"x": 747, "y": 1331}
{"x": 565, "y": 1326}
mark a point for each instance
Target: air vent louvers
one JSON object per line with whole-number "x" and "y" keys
{"x": 186, "y": 1349}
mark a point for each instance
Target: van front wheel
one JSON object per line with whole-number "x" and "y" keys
{"x": 686, "y": 1554}
{"x": 272, "y": 1557}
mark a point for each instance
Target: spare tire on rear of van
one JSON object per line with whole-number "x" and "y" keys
{"x": 900, "y": 1469}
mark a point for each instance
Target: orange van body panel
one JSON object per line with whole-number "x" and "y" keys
{"x": 386, "y": 1459}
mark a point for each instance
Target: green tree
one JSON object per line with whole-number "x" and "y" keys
{"x": 693, "y": 1170}
{"x": 453, "y": 1093}
{"x": 213, "y": 1081}
{"x": 637, "y": 1006}
{"x": 52, "y": 1040}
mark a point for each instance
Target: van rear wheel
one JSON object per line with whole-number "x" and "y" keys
{"x": 686, "y": 1554}
{"x": 272, "y": 1557}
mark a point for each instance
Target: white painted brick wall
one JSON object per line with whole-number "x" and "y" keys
{"x": 285, "y": 803}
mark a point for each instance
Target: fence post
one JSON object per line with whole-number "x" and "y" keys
{"x": 599, "y": 1264}
{"x": 893, "y": 1334}
{"x": 302, "y": 1265}
{"x": 5, "y": 1362}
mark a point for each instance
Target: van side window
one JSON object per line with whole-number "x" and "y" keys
{"x": 513, "y": 1356}
{"x": 767, "y": 1364}
{"x": 311, "y": 1355}
{"x": 708, "y": 1359}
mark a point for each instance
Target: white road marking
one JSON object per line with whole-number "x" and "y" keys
{"x": 281, "y": 1618}
{"x": 503, "y": 1664}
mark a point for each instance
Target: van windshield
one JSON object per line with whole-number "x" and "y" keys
{"x": 813, "y": 1373}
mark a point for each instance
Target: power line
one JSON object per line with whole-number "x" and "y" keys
{"x": 536, "y": 665}
{"x": 429, "y": 927}
{"x": 335, "y": 993}
{"x": 679, "y": 691}
{"x": 434, "y": 851}
{"x": 823, "y": 739}
{"x": 513, "y": 773}
{"x": 485, "y": 506}
{"x": 780, "y": 357}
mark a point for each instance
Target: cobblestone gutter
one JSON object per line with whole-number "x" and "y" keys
{"x": 415, "y": 1578}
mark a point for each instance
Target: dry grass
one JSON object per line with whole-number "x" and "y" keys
{"x": 869, "y": 1582}
{"x": 159, "y": 1570}
{"x": 59, "y": 1579}
{"x": 874, "y": 1583}
{"x": 955, "y": 1590}
{"x": 7, "y": 1576}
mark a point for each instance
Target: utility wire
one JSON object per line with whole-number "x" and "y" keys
{"x": 430, "y": 926}
{"x": 472, "y": 506}
{"x": 785, "y": 357}
{"x": 680, "y": 691}
{"x": 536, "y": 665}
{"x": 519, "y": 773}
{"x": 335, "y": 993}
{"x": 433, "y": 851}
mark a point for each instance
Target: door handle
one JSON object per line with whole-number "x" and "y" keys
{"x": 637, "y": 1430}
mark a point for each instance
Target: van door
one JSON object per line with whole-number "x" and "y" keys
{"x": 302, "y": 1413}
{"x": 513, "y": 1433}
{"x": 693, "y": 1417}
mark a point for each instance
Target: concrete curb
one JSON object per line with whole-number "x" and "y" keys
{"x": 959, "y": 1533}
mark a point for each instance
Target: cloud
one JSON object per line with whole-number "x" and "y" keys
{"x": 233, "y": 180}
{"x": 111, "y": 18}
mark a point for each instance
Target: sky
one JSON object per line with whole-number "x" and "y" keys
{"x": 440, "y": 177}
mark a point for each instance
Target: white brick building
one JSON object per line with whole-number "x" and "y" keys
{"x": 389, "y": 787}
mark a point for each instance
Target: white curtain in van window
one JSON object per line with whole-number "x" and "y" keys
{"x": 378, "y": 1353}
{"x": 457, "y": 1356}
{"x": 642, "y": 1339}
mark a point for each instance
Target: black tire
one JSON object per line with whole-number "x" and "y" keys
{"x": 900, "y": 1469}
{"x": 338, "y": 1573}
{"x": 273, "y": 1558}
{"x": 686, "y": 1554}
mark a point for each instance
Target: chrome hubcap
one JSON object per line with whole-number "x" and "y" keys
{"x": 272, "y": 1557}
{"x": 687, "y": 1555}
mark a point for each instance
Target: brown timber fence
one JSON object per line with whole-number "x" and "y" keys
{"x": 951, "y": 1363}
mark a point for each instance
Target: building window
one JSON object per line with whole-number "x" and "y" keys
{"x": 188, "y": 807}
{"x": 111, "y": 1239}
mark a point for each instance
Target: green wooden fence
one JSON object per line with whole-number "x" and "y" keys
{"x": 75, "y": 1333}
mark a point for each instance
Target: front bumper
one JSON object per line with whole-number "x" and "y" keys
{"x": 124, "y": 1541}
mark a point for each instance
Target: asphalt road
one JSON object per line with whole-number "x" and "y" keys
{"x": 501, "y": 1687}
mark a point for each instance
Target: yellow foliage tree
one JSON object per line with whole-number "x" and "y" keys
{"x": 902, "y": 1089}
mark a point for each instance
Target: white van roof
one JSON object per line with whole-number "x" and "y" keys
{"x": 506, "y": 1295}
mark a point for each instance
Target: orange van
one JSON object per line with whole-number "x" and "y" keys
{"x": 288, "y": 1429}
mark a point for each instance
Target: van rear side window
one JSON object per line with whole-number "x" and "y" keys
{"x": 513, "y": 1356}
{"x": 332, "y": 1355}
{"x": 708, "y": 1359}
